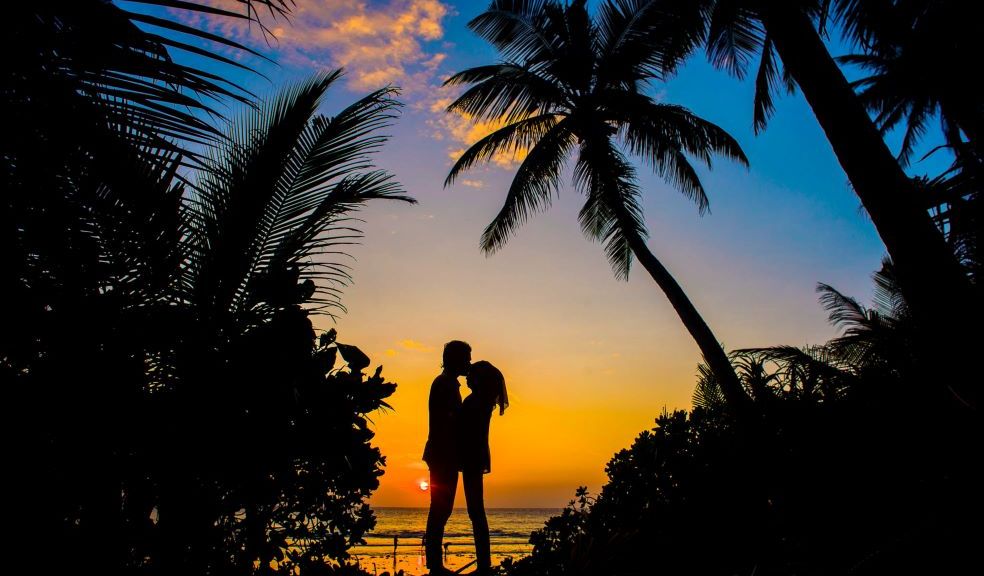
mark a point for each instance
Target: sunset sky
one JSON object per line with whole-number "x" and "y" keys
{"x": 590, "y": 361}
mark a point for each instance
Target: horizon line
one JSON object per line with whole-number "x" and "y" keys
{"x": 465, "y": 508}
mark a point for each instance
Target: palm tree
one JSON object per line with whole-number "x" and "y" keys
{"x": 269, "y": 218}
{"x": 89, "y": 84}
{"x": 197, "y": 331}
{"x": 955, "y": 199}
{"x": 737, "y": 30}
{"x": 109, "y": 65}
{"x": 155, "y": 314}
{"x": 875, "y": 342}
{"x": 915, "y": 53}
{"x": 570, "y": 85}
{"x": 280, "y": 190}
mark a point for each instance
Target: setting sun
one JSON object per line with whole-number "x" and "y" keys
{"x": 423, "y": 485}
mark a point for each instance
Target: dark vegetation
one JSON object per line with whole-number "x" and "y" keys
{"x": 852, "y": 470}
{"x": 170, "y": 410}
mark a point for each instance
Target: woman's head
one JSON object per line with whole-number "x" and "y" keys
{"x": 488, "y": 382}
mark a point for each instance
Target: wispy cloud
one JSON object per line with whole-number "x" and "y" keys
{"x": 378, "y": 43}
{"x": 387, "y": 42}
{"x": 415, "y": 346}
{"x": 462, "y": 130}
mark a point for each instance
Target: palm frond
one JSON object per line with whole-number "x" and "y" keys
{"x": 864, "y": 330}
{"x": 572, "y": 32}
{"x": 242, "y": 181}
{"x": 707, "y": 392}
{"x": 770, "y": 78}
{"x": 252, "y": 10}
{"x": 758, "y": 383}
{"x": 611, "y": 213}
{"x": 321, "y": 232}
{"x": 919, "y": 114}
{"x": 328, "y": 149}
{"x": 734, "y": 37}
{"x": 510, "y": 139}
{"x": 864, "y": 22}
{"x": 96, "y": 50}
{"x": 780, "y": 354}
{"x": 909, "y": 53}
{"x": 815, "y": 373}
{"x": 536, "y": 181}
{"x": 505, "y": 92}
{"x": 843, "y": 311}
{"x": 278, "y": 192}
{"x": 645, "y": 39}
{"x": 136, "y": 220}
{"x": 888, "y": 91}
{"x": 516, "y": 29}
{"x": 887, "y": 296}
{"x": 664, "y": 134}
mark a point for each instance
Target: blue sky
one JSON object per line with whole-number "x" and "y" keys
{"x": 590, "y": 360}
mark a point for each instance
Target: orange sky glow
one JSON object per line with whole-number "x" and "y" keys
{"x": 590, "y": 361}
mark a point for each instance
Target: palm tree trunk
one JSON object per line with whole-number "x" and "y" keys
{"x": 929, "y": 273}
{"x": 710, "y": 347}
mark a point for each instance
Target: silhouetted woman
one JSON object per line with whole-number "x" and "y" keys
{"x": 488, "y": 388}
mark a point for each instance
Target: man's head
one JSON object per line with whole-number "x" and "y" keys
{"x": 457, "y": 357}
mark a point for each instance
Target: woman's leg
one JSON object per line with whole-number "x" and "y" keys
{"x": 475, "y": 499}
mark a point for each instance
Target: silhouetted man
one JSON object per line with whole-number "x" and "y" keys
{"x": 440, "y": 453}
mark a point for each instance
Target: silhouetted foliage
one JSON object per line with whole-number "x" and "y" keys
{"x": 176, "y": 414}
{"x": 97, "y": 106}
{"x": 916, "y": 53}
{"x": 909, "y": 46}
{"x": 852, "y": 472}
{"x": 274, "y": 464}
{"x": 954, "y": 197}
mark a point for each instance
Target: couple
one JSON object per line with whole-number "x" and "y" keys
{"x": 458, "y": 440}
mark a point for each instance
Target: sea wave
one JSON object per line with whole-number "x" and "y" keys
{"x": 509, "y": 535}
{"x": 411, "y": 534}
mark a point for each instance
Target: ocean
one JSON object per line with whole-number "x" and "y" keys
{"x": 509, "y": 529}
